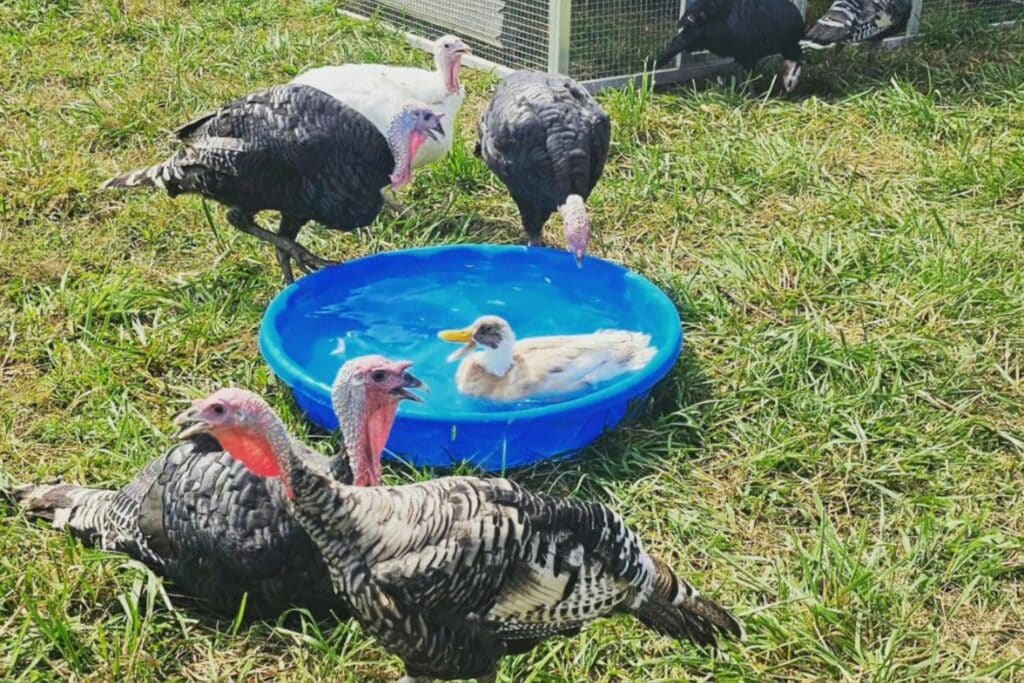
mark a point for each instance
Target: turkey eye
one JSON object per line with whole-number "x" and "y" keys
{"x": 379, "y": 375}
{"x": 218, "y": 409}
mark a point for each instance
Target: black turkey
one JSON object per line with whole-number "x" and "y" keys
{"x": 746, "y": 30}
{"x": 296, "y": 150}
{"x": 199, "y": 517}
{"x": 547, "y": 139}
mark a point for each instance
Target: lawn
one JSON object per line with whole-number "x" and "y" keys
{"x": 837, "y": 456}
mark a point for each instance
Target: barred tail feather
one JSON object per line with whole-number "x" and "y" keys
{"x": 831, "y": 29}
{"x": 677, "y": 609}
{"x": 76, "y": 508}
{"x": 151, "y": 176}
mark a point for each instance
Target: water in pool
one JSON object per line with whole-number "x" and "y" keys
{"x": 400, "y": 313}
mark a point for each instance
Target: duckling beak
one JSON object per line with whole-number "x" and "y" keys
{"x": 464, "y": 337}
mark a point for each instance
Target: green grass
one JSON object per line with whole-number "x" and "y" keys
{"x": 837, "y": 456}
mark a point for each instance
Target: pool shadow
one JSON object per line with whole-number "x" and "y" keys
{"x": 669, "y": 420}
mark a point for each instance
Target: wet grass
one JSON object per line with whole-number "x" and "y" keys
{"x": 838, "y": 455}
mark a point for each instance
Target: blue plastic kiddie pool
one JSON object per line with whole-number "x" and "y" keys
{"x": 395, "y": 303}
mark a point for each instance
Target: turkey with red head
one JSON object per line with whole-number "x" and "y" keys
{"x": 219, "y": 531}
{"x": 454, "y": 573}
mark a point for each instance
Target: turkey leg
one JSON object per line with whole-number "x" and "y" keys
{"x": 288, "y": 229}
{"x": 307, "y": 260}
{"x": 391, "y": 202}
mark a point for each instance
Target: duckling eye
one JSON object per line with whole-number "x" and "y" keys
{"x": 378, "y": 376}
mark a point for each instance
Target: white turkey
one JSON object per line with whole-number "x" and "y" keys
{"x": 379, "y": 92}
{"x": 296, "y": 150}
{"x": 454, "y": 573}
{"x": 547, "y": 139}
{"x": 200, "y": 518}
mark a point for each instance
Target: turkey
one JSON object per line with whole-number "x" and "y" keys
{"x": 547, "y": 139}
{"x": 454, "y": 573}
{"x": 197, "y": 516}
{"x": 379, "y": 91}
{"x": 855, "y": 21}
{"x": 296, "y": 150}
{"x": 746, "y": 30}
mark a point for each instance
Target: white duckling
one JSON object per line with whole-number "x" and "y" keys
{"x": 507, "y": 370}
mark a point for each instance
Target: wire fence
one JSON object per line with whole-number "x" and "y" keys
{"x": 606, "y": 41}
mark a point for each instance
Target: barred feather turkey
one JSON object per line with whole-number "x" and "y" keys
{"x": 547, "y": 139}
{"x": 454, "y": 573}
{"x": 296, "y": 150}
{"x": 855, "y": 21}
{"x": 198, "y": 516}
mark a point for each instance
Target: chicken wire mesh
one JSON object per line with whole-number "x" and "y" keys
{"x": 947, "y": 13}
{"x": 603, "y": 42}
{"x": 611, "y": 38}
{"x": 512, "y": 33}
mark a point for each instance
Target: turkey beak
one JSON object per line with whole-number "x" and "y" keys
{"x": 410, "y": 382}
{"x": 436, "y": 130}
{"x": 464, "y": 337}
{"x": 463, "y": 49}
{"x": 191, "y": 425}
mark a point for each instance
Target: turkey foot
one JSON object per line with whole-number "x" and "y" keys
{"x": 307, "y": 260}
{"x": 392, "y": 203}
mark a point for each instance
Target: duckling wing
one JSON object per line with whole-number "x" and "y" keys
{"x": 571, "y": 363}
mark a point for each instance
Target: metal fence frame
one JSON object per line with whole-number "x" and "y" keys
{"x": 687, "y": 67}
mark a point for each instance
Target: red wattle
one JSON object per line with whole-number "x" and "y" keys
{"x": 253, "y": 450}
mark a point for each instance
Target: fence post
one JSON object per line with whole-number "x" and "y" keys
{"x": 914, "y": 22}
{"x": 559, "y": 27}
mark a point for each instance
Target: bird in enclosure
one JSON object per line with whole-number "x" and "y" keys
{"x": 857, "y": 21}
{"x": 547, "y": 139}
{"x": 509, "y": 370}
{"x": 455, "y": 573}
{"x": 296, "y": 150}
{"x": 746, "y": 30}
{"x": 219, "y": 532}
{"x": 380, "y": 91}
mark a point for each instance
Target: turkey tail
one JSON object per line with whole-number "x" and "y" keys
{"x": 832, "y": 28}
{"x": 76, "y": 508}
{"x": 151, "y": 176}
{"x": 677, "y": 609}
{"x": 678, "y": 44}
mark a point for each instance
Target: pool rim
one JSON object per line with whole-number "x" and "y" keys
{"x": 296, "y": 378}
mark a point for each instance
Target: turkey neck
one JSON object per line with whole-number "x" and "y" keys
{"x": 280, "y": 443}
{"x": 403, "y": 148}
{"x": 448, "y": 70}
{"x": 365, "y": 427}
